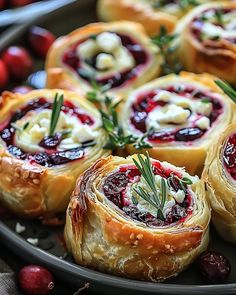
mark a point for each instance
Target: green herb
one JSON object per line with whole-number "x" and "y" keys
{"x": 110, "y": 122}
{"x": 141, "y": 142}
{"x": 93, "y": 37}
{"x": 219, "y": 16}
{"x": 183, "y": 4}
{"x": 183, "y": 182}
{"x": 165, "y": 43}
{"x": 56, "y": 109}
{"x": 228, "y": 90}
{"x": 205, "y": 100}
{"x": 134, "y": 200}
{"x": 64, "y": 133}
{"x": 154, "y": 198}
{"x": 25, "y": 125}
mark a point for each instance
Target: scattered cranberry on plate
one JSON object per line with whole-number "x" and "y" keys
{"x": 4, "y": 76}
{"x": 35, "y": 280}
{"x": 214, "y": 267}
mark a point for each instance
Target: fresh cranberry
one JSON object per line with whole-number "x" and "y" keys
{"x": 35, "y": 280}
{"x": 40, "y": 40}
{"x": 229, "y": 155}
{"x": 18, "y": 62}
{"x": 3, "y": 74}
{"x": 66, "y": 156}
{"x": 51, "y": 142}
{"x": 16, "y": 152}
{"x": 188, "y": 134}
{"x": 139, "y": 121}
{"x": 18, "y": 3}
{"x": 214, "y": 267}
{"x": 115, "y": 183}
{"x": 22, "y": 89}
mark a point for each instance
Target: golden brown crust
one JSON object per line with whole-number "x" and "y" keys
{"x": 151, "y": 19}
{"x": 59, "y": 76}
{"x": 217, "y": 57}
{"x": 101, "y": 237}
{"x": 192, "y": 156}
{"x": 32, "y": 190}
{"x": 221, "y": 188}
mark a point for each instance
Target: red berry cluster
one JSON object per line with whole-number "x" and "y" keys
{"x": 16, "y": 62}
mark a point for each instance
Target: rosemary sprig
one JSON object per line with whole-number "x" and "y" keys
{"x": 183, "y": 182}
{"x": 165, "y": 43}
{"x": 56, "y": 109}
{"x": 219, "y": 16}
{"x": 110, "y": 122}
{"x": 183, "y": 4}
{"x": 228, "y": 90}
{"x": 154, "y": 198}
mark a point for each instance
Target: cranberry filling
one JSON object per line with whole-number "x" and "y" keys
{"x": 115, "y": 186}
{"x": 198, "y": 23}
{"x": 71, "y": 59}
{"x": 145, "y": 103}
{"x": 51, "y": 156}
{"x": 229, "y": 155}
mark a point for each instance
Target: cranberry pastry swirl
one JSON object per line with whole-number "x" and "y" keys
{"x": 220, "y": 176}
{"x": 109, "y": 227}
{"x": 183, "y": 115}
{"x": 208, "y": 40}
{"x": 152, "y": 14}
{"x": 119, "y": 54}
{"x": 38, "y": 170}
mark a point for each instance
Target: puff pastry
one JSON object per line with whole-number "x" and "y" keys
{"x": 37, "y": 171}
{"x": 152, "y": 14}
{"x": 207, "y": 38}
{"x": 119, "y": 54}
{"x": 183, "y": 114}
{"x": 109, "y": 231}
{"x": 219, "y": 174}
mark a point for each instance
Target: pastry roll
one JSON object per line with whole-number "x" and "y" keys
{"x": 38, "y": 170}
{"x": 220, "y": 175}
{"x": 152, "y": 14}
{"x": 182, "y": 116}
{"x": 207, "y": 40}
{"x": 117, "y": 54}
{"x": 109, "y": 227}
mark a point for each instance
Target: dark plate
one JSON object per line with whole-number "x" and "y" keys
{"x": 53, "y": 255}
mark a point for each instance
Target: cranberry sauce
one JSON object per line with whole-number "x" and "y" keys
{"x": 71, "y": 59}
{"x": 198, "y": 23}
{"x": 229, "y": 155}
{"x": 145, "y": 104}
{"x": 116, "y": 184}
{"x": 51, "y": 156}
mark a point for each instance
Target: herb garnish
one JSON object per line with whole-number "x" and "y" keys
{"x": 155, "y": 198}
{"x": 183, "y": 4}
{"x": 56, "y": 109}
{"x": 219, "y": 16}
{"x": 182, "y": 181}
{"x": 165, "y": 43}
{"x": 110, "y": 122}
{"x": 228, "y": 90}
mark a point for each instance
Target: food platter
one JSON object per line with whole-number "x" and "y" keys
{"x": 50, "y": 251}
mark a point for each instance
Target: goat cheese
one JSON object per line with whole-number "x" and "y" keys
{"x": 105, "y": 61}
{"x": 108, "y": 42}
{"x": 203, "y": 123}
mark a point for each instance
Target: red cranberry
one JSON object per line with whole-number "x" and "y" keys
{"x": 3, "y": 74}
{"x": 18, "y": 3}
{"x": 115, "y": 183}
{"x": 22, "y": 89}
{"x": 18, "y": 62}
{"x": 35, "y": 280}
{"x": 188, "y": 134}
{"x": 40, "y": 40}
{"x": 51, "y": 141}
{"x": 2, "y": 4}
{"x": 214, "y": 267}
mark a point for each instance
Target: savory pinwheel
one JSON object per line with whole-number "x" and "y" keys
{"x": 180, "y": 116}
{"x": 117, "y": 54}
{"x": 152, "y": 14}
{"x": 138, "y": 218}
{"x": 47, "y": 139}
{"x": 207, "y": 40}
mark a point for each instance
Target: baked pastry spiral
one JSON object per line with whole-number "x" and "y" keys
{"x": 207, "y": 40}
{"x": 38, "y": 171}
{"x": 219, "y": 174}
{"x": 182, "y": 115}
{"x": 110, "y": 228}
{"x": 119, "y": 54}
{"x": 152, "y": 14}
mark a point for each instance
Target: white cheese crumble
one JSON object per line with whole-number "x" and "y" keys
{"x": 87, "y": 49}
{"x": 203, "y": 123}
{"x": 169, "y": 114}
{"x": 108, "y": 42}
{"x": 105, "y": 61}
{"x": 19, "y": 228}
{"x": 33, "y": 241}
{"x": 203, "y": 108}
{"x": 162, "y": 95}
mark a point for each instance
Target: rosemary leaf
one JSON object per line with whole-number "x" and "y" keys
{"x": 56, "y": 109}
{"x": 228, "y": 90}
